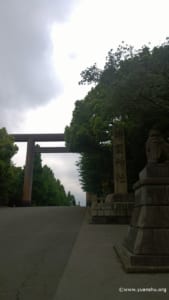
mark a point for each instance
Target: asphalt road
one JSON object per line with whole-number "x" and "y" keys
{"x": 35, "y": 246}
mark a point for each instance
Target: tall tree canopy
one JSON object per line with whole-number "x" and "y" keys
{"x": 132, "y": 90}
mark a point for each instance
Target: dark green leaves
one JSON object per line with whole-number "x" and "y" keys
{"x": 133, "y": 87}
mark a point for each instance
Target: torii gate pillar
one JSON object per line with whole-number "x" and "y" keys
{"x": 31, "y": 139}
{"x": 27, "y": 187}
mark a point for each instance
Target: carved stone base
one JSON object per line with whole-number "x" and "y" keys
{"x": 133, "y": 263}
{"x": 146, "y": 247}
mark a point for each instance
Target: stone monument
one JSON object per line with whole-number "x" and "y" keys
{"x": 146, "y": 247}
{"x": 122, "y": 201}
{"x": 119, "y": 161}
{"x": 116, "y": 207}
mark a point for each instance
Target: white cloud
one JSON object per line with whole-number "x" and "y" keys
{"x": 27, "y": 77}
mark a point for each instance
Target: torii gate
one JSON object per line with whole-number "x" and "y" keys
{"x": 31, "y": 139}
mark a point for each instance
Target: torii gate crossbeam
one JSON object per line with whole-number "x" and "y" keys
{"x": 31, "y": 139}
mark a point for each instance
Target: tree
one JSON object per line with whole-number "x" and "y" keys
{"x": 96, "y": 171}
{"x": 7, "y": 150}
{"x": 16, "y": 186}
{"x": 131, "y": 89}
{"x": 53, "y": 191}
{"x": 46, "y": 189}
{"x": 71, "y": 199}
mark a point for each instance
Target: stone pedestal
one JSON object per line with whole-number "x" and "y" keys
{"x": 146, "y": 248}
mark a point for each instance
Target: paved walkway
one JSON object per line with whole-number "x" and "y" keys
{"x": 35, "y": 245}
{"x": 94, "y": 272}
{"x": 55, "y": 254}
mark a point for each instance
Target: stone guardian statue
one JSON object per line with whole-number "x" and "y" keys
{"x": 157, "y": 149}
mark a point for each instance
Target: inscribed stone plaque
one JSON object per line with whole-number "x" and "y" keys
{"x": 119, "y": 161}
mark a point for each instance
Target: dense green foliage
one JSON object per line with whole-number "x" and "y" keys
{"x": 132, "y": 90}
{"x": 96, "y": 171}
{"x": 7, "y": 150}
{"x": 16, "y": 186}
{"x": 46, "y": 189}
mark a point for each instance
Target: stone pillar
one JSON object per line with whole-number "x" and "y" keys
{"x": 89, "y": 199}
{"x": 146, "y": 247}
{"x": 28, "y": 176}
{"x": 119, "y": 161}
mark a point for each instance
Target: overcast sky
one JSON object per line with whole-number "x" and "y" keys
{"x": 45, "y": 44}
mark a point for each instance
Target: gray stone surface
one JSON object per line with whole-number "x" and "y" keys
{"x": 156, "y": 216}
{"x": 35, "y": 245}
{"x": 46, "y": 254}
{"x": 134, "y": 263}
{"x": 94, "y": 271}
{"x": 155, "y": 170}
{"x": 153, "y": 194}
{"x": 147, "y": 242}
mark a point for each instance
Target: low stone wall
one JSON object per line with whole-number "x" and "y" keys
{"x": 117, "y": 208}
